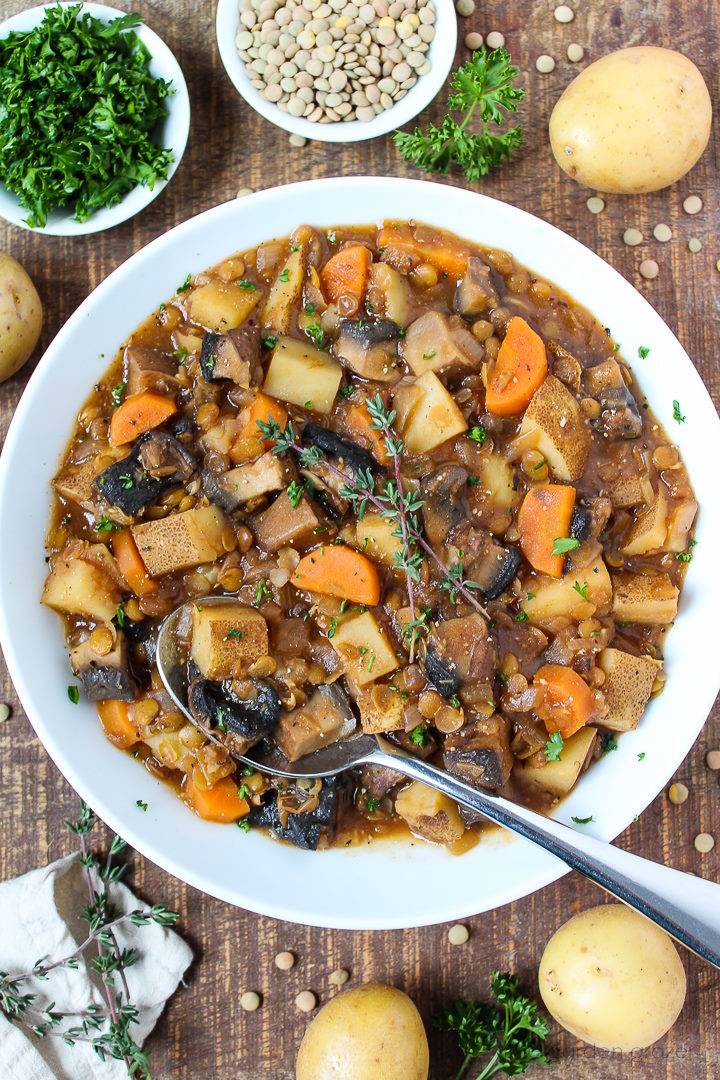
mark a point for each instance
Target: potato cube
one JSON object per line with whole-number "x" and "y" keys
{"x": 380, "y": 710}
{"x": 497, "y": 482}
{"x": 77, "y": 484}
{"x": 560, "y": 776}
{"x": 680, "y": 523}
{"x": 303, "y": 375}
{"x": 364, "y": 647}
{"x": 277, "y": 312}
{"x": 649, "y": 528}
{"x": 551, "y": 598}
{"x": 374, "y": 536}
{"x": 429, "y": 814}
{"x": 182, "y": 540}
{"x": 433, "y": 419}
{"x": 651, "y": 599}
{"x": 76, "y": 587}
{"x": 227, "y": 639}
{"x": 326, "y": 718}
{"x": 628, "y": 682}
{"x": 395, "y": 289}
{"x": 555, "y": 425}
{"x": 221, "y": 306}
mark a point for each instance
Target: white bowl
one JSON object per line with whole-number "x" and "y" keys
{"x": 386, "y": 883}
{"x": 172, "y": 132}
{"x": 441, "y": 53}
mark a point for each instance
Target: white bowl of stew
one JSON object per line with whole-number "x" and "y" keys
{"x": 393, "y": 881}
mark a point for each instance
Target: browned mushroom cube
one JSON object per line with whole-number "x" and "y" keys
{"x": 475, "y": 294}
{"x": 326, "y": 718}
{"x": 149, "y": 369}
{"x": 480, "y": 753}
{"x": 183, "y": 540}
{"x": 227, "y": 639}
{"x": 282, "y": 523}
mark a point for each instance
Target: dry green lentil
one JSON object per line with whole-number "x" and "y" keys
{"x": 677, "y": 793}
{"x": 693, "y": 204}
{"x": 632, "y": 237}
{"x": 545, "y": 64}
{"x": 564, "y": 13}
{"x": 250, "y": 1001}
{"x": 306, "y": 1001}
{"x": 595, "y": 204}
{"x": 712, "y": 759}
{"x": 458, "y": 934}
{"x": 243, "y": 191}
{"x": 575, "y": 53}
{"x": 4, "y": 713}
{"x": 284, "y": 961}
{"x": 704, "y": 843}
{"x": 339, "y": 977}
{"x": 663, "y": 233}
{"x": 473, "y": 41}
{"x": 495, "y": 40}
{"x": 694, "y": 245}
{"x": 649, "y": 269}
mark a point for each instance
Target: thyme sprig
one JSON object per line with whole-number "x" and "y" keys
{"x": 107, "y": 1030}
{"x": 360, "y": 491}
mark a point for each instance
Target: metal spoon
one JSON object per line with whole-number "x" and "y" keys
{"x": 687, "y": 907}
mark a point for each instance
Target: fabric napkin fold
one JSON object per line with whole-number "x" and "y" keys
{"x": 39, "y": 918}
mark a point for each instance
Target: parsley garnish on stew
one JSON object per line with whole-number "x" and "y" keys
{"x": 477, "y": 433}
{"x": 106, "y": 525}
{"x": 643, "y": 352}
{"x": 563, "y": 544}
{"x": 78, "y": 108}
{"x": 234, "y": 633}
{"x": 419, "y": 736}
{"x": 185, "y": 285}
{"x": 581, "y": 589}
{"x": 247, "y": 285}
{"x": 74, "y": 694}
{"x": 285, "y": 275}
{"x": 677, "y": 413}
{"x": 117, "y": 393}
{"x": 583, "y": 820}
{"x": 554, "y": 747}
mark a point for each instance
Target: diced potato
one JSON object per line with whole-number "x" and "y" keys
{"x": 395, "y": 287}
{"x": 648, "y": 531}
{"x": 268, "y": 473}
{"x": 191, "y": 342}
{"x": 680, "y": 522}
{"x": 628, "y": 682}
{"x": 282, "y": 523}
{"x": 77, "y": 484}
{"x": 380, "y": 710}
{"x": 168, "y": 749}
{"x": 651, "y": 599}
{"x": 429, "y": 814}
{"x": 182, "y": 540}
{"x": 221, "y": 306}
{"x": 552, "y": 598}
{"x": 364, "y": 647}
{"x": 625, "y": 491}
{"x": 326, "y": 718}
{"x": 434, "y": 419}
{"x": 227, "y": 639}
{"x": 284, "y": 294}
{"x": 374, "y": 536}
{"x": 560, "y": 776}
{"x": 433, "y": 343}
{"x": 497, "y": 481}
{"x": 77, "y": 587}
{"x": 303, "y": 375}
{"x": 555, "y": 425}
{"x": 222, "y": 436}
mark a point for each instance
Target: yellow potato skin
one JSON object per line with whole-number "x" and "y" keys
{"x": 612, "y": 978}
{"x": 635, "y": 120}
{"x": 20, "y": 316}
{"x": 368, "y": 1033}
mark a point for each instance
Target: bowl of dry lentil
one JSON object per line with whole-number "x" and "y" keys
{"x": 336, "y": 70}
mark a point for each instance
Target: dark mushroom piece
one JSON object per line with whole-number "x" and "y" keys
{"x": 343, "y": 450}
{"x": 369, "y": 347}
{"x": 485, "y": 561}
{"x": 156, "y": 462}
{"x": 475, "y": 294}
{"x": 480, "y": 753}
{"x": 443, "y": 495}
{"x": 150, "y": 369}
{"x": 231, "y": 355}
{"x": 580, "y": 523}
{"x": 458, "y": 651}
{"x": 237, "y": 713}
{"x": 620, "y": 418}
{"x": 304, "y": 829}
{"x": 105, "y": 676}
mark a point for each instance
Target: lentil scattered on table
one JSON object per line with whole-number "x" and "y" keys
{"x": 595, "y": 204}
{"x": 694, "y": 245}
{"x": 663, "y": 233}
{"x": 250, "y": 1001}
{"x": 575, "y": 53}
{"x": 545, "y": 64}
{"x": 704, "y": 843}
{"x": 335, "y": 61}
{"x": 465, "y": 7}
{"x": 458, "y": 934}
{"x": 564, "y": 13}
{"x": 284, "y": 961}
{"x": 473, "y": 41}
{"x": 495, "y": 40}
{"x": 243, "y": 191}
{"x": 712, "y": 759}
{"x": 306, "y": 1001}
{"x": 678, "y": 793}
{"x": 632, "y": 237}
{"x": 649, "y": 269}
{"x": 339, "y": 977}
{"x": 4, "y": 713}
{"x": 693, "y": 204}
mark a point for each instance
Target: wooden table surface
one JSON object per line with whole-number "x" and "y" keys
{"x": 204, "y": 1035}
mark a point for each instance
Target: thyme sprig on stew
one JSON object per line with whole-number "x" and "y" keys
{"x": 107, "y": 1030}
{"x": 390, "y": 500}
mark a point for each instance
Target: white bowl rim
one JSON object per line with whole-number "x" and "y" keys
{"x": 177, "y": 124}
{"x": 425, "y": 90}
{"x": 351, "y": 879}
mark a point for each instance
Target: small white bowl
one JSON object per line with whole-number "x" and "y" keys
{"x": 173, "y": 131}
{"x": 441, "y": 54}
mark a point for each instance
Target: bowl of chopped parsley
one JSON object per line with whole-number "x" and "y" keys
{"x": 94, "y": 117}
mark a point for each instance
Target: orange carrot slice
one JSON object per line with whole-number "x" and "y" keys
{"x": 250, "y": 442}
{"x": 543, "y": 518}
{"x": 568, "y": 700}
{"x": 359, "y": 424}
{"x": 131, "y": 566}
{"x": 336, "y": 570}
{"x": 400, "y": 245}
{"x": 346, "y": 273}
{"x": 221, "y": 802}
{"x": 115, "y": 717}
{"x": 138, "y": 414}
{"x": 520, "y": 368}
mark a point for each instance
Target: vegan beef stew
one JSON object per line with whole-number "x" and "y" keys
{"x": 439, "y": 495}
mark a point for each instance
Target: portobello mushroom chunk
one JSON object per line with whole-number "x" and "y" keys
{"x": 480, "y": 754}
{"x": 475, "y": 294}
{"x": 580, "y": 522}
{"x": 136, "y": 632}
{"x": 444, "y": 507}
{"x": 565, "y": 367}
{"x": 246, "y": 483}
{"x": 150, "y": 369}
{"x": 458, "y": 651}
{"x": 485, "y": 561}
{"x": 305, "y": 828}
{"x": 620, "y": 418}
{"x": 344, "y": 450}
{"x": 105, "y": 676}
{"x": 437, "y": 342}
{"x": 231, "y": 355}
{"x": 369, "y": 347}
{"x": 239, "y": 713}
{"x": 156, "y": 462}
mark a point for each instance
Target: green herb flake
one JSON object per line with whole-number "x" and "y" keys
{"x": 429, "y": 355}
{"x": 643, "y": 352}
{"x": 248, "y": 285}
{"x": 346, "y": 391}
{"x": 563, "y": 544}
{"x": 263, "y": 591}
{"x": 455, "y": 702}
{"x": 684, "y": 556}
{"x": 609, "y": 743}
{"x": 677, "y": 413}
{"x": 106, "y": 525}
{"x": 372, "y": 805}
{"x": 243, "y": 792}
{"x": 582, "y": 590}
{"x": 285, "y": 275}
{"x": 419, "y": 736}
{"x": 521, "y": 616}
{"x": 582, "y": 820}
{"x": 477, "y": 433}
{"x": 243, "y": 825}
{"x": 332, "y": 628}
{"x": 143, "y": 805}
{"x": 182, "y": 355}
{"x": 234, "y": 635}
{"x": 120, "y": 615}
{"x": 473, "y": 481}
{"x": 269, "y": 341}
{"x": 309, "y": 309}
{"x": 185, "y": 285}
{"x": 554, "y": 747}
{"x": 117, "y": 393}
{"x": 74, "y": 694}
{"x": 220, "y": 717}
{"x": 540, "y": 465}
{"x": 641, "y": 756}
{"x": 126, "y": 481}
{"x": 295, "y": 492}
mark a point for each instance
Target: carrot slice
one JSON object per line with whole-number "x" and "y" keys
{"x": 520, "y": 368}
{"x": 543, "y": 518}
{"x": 359, "y": 424}
{"x": 250, "y": 442}
{"x": 131, "y": 565}
{"x": 568, "y": 700}
{"x": 400, "y": 245}
{"x": 336, "y": 570}
{"x": 115, "y": 717}
{"x": 346, "y": 273}
{"x": 221, "y": 802}
{"x": 138, "y": 414}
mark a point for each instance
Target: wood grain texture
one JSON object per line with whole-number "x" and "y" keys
{"x": 204, "y": 1033}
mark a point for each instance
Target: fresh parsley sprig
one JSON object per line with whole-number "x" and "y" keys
{"x": 511, "y": 1032}
{"x": 482, "y": 87}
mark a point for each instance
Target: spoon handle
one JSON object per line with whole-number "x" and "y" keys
{"x": 685, "y": 906}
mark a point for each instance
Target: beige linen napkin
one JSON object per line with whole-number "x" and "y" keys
{"x": 39, "y": 918}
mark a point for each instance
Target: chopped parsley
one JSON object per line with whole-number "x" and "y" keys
{"x": 185, "y": 285}
{"x": 521, "y": 616}
{"x": 106, "y": 525}
{"x": 419, "y": 736}
{"x": 269, "y": 341}
{"x": 117, "y": 393}
{"x": 429, "y": 355}
{"x": 331, "y": 238}
{"x": 248, "y": 285}
{"x": 346, "y": 391}
{"x": 554, "y": 747}
{"x": 126, "y": 481}
{"x": 235, "y": 634}
{"x": 143, "y": 805}
{"x": 316, "y": 332}
{"x": 455, "y": 701}
{"x": 285, "y": 275}
{"x": 609, "y": 743}
{"x": 473, "y": 481}
{"x": 563, "y": 544}
{"x": 541, "y": 464}
{"x": 643, "y": 352}
{"x": 684, "y": 556}
{"x": 243, "y": 792}
{"x": 120, "y": 615}
{"x": 477, "y": 433}
{"x": 263, "y": 591}
{"x": 333, "y": 627}
{"x": 221, "y": 719}
{"x": 295, "y": 492}
{"x": 641, "y": 756}
{"x": 244, "y": 825}
{"x": 582, "y": 590}
{"x": 182, "y": 355}
{"x": 582, "y": 820}
{"x": 372, "y": 805}
{"x": 309, "y": 309}
{"x": 677, "y": 413}
{"x": 73, "y": 694}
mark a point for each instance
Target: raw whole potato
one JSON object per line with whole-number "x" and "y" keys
{"x": 369, "y": 1033}
{"x": 20, "y": 316}
{"x": 635, "y": 120}
{"x": 612, "y": 978}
